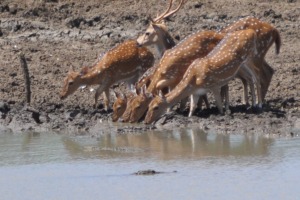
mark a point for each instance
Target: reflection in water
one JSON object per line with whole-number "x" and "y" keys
{"x": 177, "y": 144}
{"x": 183, "y": 144}
{"x": 210, "y": 166}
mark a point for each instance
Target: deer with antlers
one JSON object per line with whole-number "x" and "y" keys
{"x": 124, "y": 63}
{"x": 171, "y": 68}
{"x": 234, "y": 52}
{"x": 157, "y": 34}
{"x": 162, "y": 41}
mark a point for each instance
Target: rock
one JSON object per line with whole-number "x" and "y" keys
{"x": 72, "y": 114}
{"x": 4, "y": 107}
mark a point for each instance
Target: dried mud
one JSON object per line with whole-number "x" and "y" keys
{"x": 55, "y": 34}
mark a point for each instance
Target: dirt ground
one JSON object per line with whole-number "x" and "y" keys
{"x": 55, "y": 34}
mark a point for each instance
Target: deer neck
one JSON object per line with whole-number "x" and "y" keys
{"x": 181, "y": 91}
{"x": 92, "y": 77}
{"x": 165, "y": 42}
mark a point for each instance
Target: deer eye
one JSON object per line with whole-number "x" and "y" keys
{"x": 155, "y": 108}
{"x": 138, "y": 107}
{"x": 71, "y": 83}
{"x": 147, "y": 33}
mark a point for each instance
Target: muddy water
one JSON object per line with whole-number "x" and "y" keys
{"x": 194, "y": 165}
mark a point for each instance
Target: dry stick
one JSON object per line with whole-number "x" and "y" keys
{"x": 26, "y": 77}
{"x": 35, "y": 113}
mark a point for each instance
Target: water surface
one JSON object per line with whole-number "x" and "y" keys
{"x": 209, "y": 166}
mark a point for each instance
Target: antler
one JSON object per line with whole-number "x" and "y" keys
{"x": 167, "y": 13}
{"x": 162, "y": 15}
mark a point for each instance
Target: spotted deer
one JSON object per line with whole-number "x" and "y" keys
{"x": 124, "y": 63}
{"x": 162, "y": 41}
{"x": 171, "y": 69}
{"x": 266, "y": 36}
{"x": 158, "y": 35}
{"x": 212, "y": 72}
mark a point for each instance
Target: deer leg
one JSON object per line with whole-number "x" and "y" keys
{"x": 245, "y": 77}
{"x": 183, "y": 104}
{"x": 255, "y": 79}
{"x": 97, "y": 94}
{"x": 205, "y": 99}
{"x": 106, "y": 99}
{"x": 259, "y": 95}
{"x": 218, "y": 97}
{"x": 248, "y": 76}
{"x": 100, "y": 90}
{"x": 253, "y": 95}
{"x": 200, "y": 101}
{"x": 225, "y": 96}
{"x": 265, "y": 77}
{"x": 245, "y": 86}
{"x": 194, "y": 100}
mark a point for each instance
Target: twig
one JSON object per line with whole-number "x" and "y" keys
{"x": 26, "y": 77}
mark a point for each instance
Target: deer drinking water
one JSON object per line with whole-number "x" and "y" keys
{"x": 212, "y": 72}
{"x": 124, "y": 63}
{"x": 120, "y": 104}
{"x": 171, "y": 68}
{"x": 157, "y": 34}
{"x": 162, "y": 42}
{"x": 266, "y": 36}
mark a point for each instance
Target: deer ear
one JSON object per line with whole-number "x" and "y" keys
{"x": 155, "y": 27}
{"x": 84, "y": 71}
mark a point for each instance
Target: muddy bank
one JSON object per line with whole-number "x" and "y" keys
{"x": 54, "y": 35}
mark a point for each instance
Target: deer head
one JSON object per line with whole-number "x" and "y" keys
{"x": 119, "y": 106}
{"x": 137, "y": 107}
{"x": 72, "y": 82}
{"x": 157, "y": 107}
{"x": 157, "y": 33}
{"x": 153, "y": 34}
